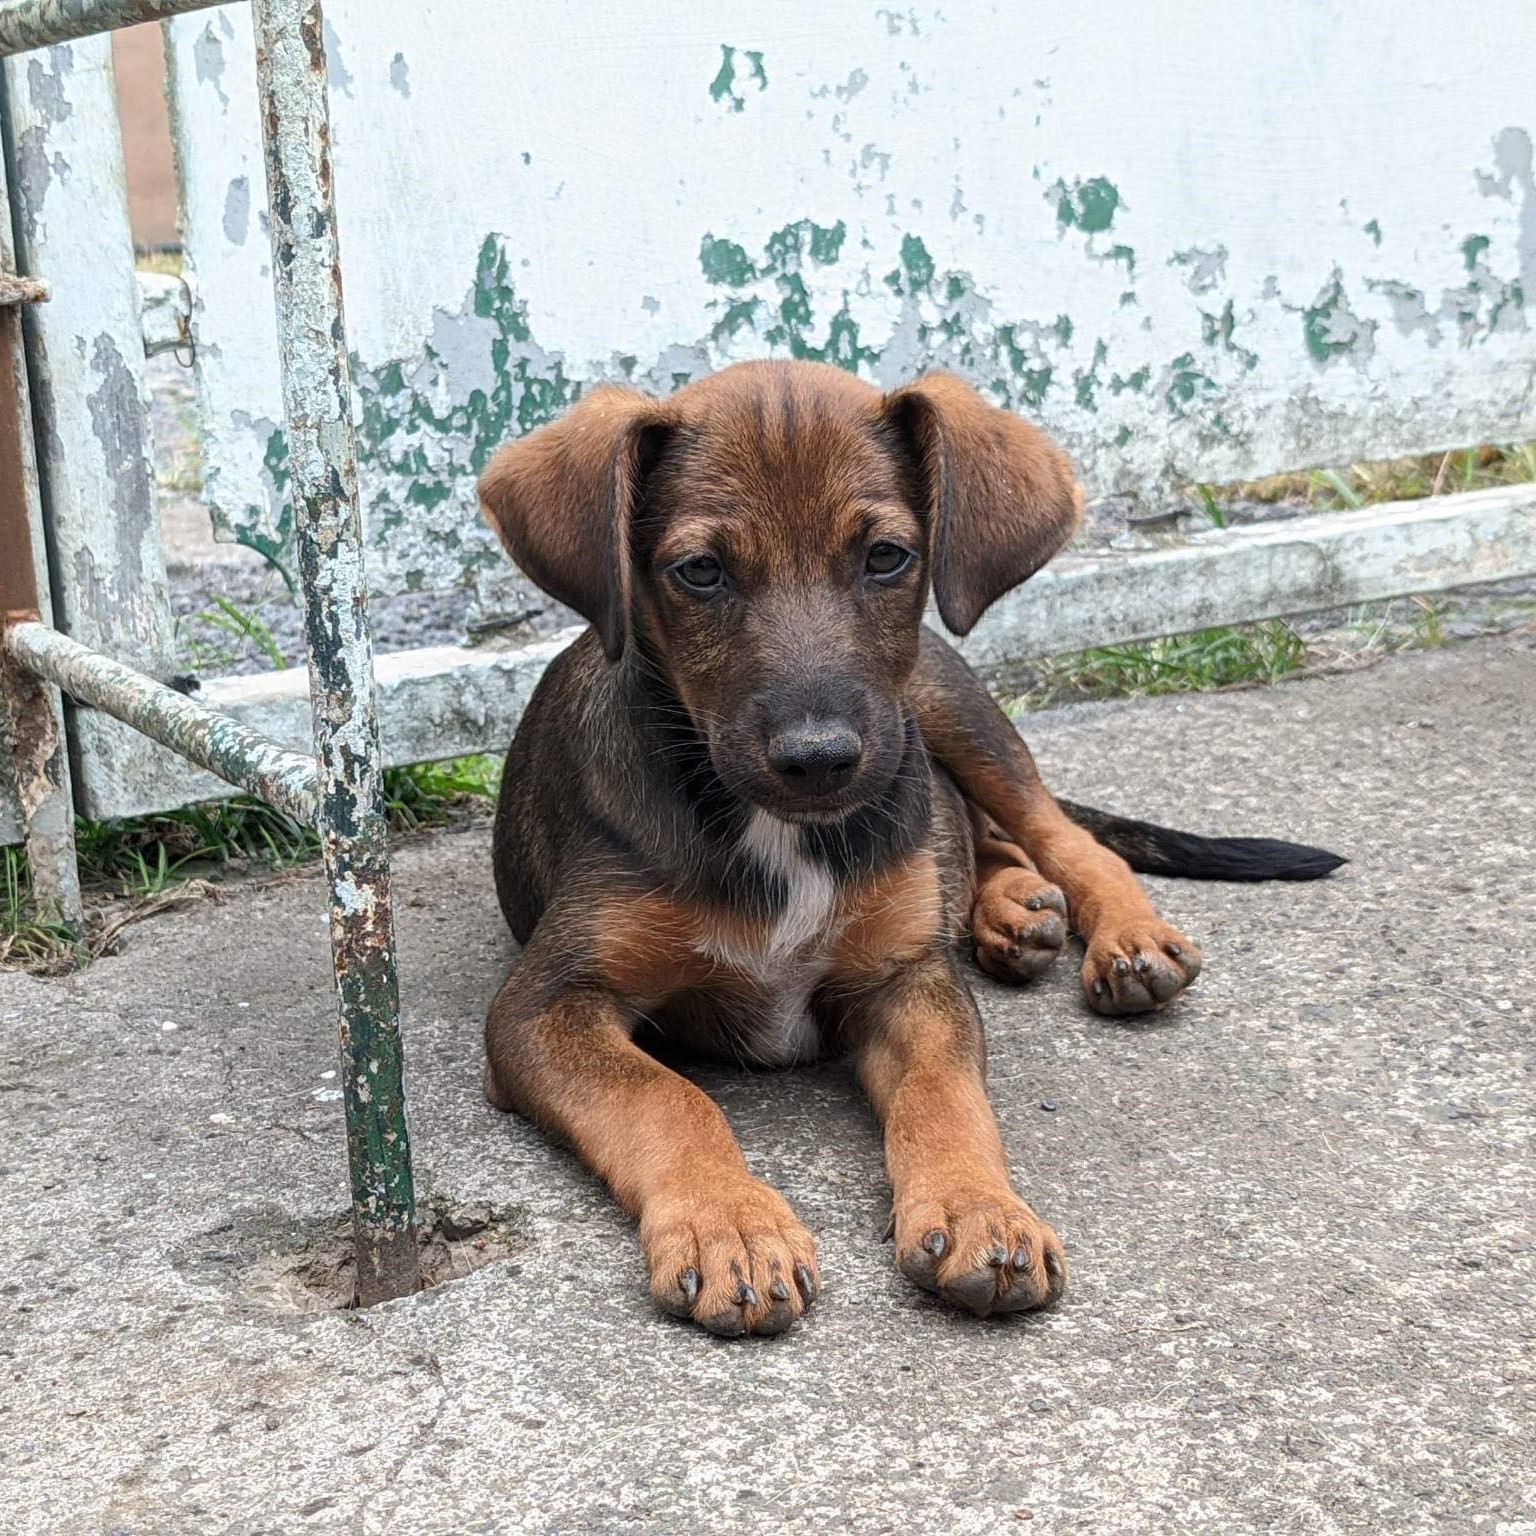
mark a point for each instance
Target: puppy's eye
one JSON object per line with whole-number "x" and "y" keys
{"x": 699, "y": 573}
{"x": 886, "y": 559}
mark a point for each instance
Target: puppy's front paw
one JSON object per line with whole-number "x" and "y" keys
{"x": 1019, "y": 923}
{"x": 734, "y": 1259}
{"x": 983, "y": 1251}
{"x": 1138, "y": 967}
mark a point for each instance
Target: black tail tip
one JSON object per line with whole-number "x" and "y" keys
{"x": 1309, "y": 864}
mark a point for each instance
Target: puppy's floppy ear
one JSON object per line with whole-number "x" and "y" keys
{"x": 1001, "y": 497}
{"x": 562, "y": 500}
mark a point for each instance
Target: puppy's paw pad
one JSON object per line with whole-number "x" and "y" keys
{"x": 734, "y": 1260}
{"x": 1138, "y": 968}
{"x": 1019, "y": 923}
{"x": 984, "y": 1253}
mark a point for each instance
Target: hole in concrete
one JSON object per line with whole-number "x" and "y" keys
{"x": 272, "y": 1259}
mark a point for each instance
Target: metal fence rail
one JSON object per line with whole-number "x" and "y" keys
{"x": 341, "y": 788}
{"x": 246, "y": 758}
{"x": 28, "y": 24}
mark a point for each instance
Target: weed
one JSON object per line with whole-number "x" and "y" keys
{"x": 1213, "y": 508}
{"x": 1225, "y": 657}
{"x": 427, "y": 793}
{"x": 230, "y": 635}
{"x": 1368, "y": 483}
{"x": 26, "y": 942}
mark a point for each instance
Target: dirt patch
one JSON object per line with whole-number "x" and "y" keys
{"x": 270, "y": 1260}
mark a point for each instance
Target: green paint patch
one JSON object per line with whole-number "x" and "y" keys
{"x": 780, "y": 297}
{"x": 1373, "y": 229}
{"x": 1217, "y": 331}
{"x": 1086, "y": 205}
{"x": 724, "y": 87}
{"x": 421, "y": 446}
{"x": 725, "y": 262}
{"x": 1135, "y": 383}
{"x": 788, "y": 253}
{"x": 1127, "y": 255}
{"x": 1472, "y": 249}
{"x": 1330, "y": 328}
{"x": 822, "y": 244}
{"x": 917, "y": 263}
{"x": 1187, "y": 384}
{"x": 1086, "y": 384}
{"x": 740, "y": 314}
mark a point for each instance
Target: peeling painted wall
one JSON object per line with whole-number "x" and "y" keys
{"x": 1260, "y": 238}
{"x": 85, "y": 347}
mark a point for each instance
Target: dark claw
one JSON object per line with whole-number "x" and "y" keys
{"x": 805, "y": 1282}
{"x": 1174, "y": 950}
{"x": 1122, "y": 965}
{"x": 1021, "y": 1258}
{"x": 1142, "y": 963}
{"x": 1014, "y": 951}
{"x": 1098, "y": 987}
{"x": 999, "y": 1256}
{"x": 689, "y": 1281}
{"x": 779, "y": 1291}
{"x": 935, "y": 1244}
{"x": 1034, "y": 904}
{"x": 1052, "y": 1264}
{"x": 745, "y": 1296}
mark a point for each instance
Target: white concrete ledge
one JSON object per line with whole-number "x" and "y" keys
{"x": 445, "y": 701}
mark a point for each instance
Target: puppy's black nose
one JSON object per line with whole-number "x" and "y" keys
{"x": 815, "y": 758}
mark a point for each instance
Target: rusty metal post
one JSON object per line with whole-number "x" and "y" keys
{"x": 322, "y": 456}
{"x": 30, "y": 710}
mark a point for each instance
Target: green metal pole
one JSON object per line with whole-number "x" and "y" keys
{"x": 322, "y": 447}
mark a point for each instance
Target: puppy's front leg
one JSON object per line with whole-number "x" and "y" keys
{"x": 960, "y": 1229}
{"x": 721, "y": 1246}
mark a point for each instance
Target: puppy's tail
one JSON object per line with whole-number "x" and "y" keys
{"x": 1152, "y": 850}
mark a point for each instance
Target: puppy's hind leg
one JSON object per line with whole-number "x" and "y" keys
{"x": 1134, "y": 961}
{"x": 1018, "y": 918}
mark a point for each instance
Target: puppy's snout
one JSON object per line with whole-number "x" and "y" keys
{"x": 816, "y": 757}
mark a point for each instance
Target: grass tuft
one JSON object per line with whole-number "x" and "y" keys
{"x": 26, "y": 943}
{"x": 1367, "y": 484}
{"x": 1228, "y": 656}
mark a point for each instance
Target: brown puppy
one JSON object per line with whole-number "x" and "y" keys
{"x": 755, "y": 806}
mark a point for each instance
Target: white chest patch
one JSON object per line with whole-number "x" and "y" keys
{"x": 791, "y": 962}
{"x": 811, "y": 890}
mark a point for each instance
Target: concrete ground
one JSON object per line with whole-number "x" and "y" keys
{"x": 1299, "y": 1207}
